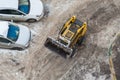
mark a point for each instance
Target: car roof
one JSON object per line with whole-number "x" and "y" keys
{"x": 9, "y": 4}
{"x": 3, "y": 28}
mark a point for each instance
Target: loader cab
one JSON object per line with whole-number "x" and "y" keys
{"x": 72, "y": 29}
{"x": 74, "y": 26}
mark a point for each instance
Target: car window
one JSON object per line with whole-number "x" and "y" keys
{"x": 24, "y": 6}
{"x": 12, "y": 12}
{"x": 4, "y": 40}
{"x": 13, "y": 32}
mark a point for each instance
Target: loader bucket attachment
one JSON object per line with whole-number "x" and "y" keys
{"x": 58, "y": 47}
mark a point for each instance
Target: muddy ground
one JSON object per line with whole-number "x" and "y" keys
{"x": 91, "y": 61}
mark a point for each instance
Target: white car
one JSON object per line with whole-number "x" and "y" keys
{"x": 14, "y": 36}
{"x": 21, "y": 10}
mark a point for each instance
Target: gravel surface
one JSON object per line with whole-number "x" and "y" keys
{"x": 91, "y": 61}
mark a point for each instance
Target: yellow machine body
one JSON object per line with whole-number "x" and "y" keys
{"x": 69, "y": 35}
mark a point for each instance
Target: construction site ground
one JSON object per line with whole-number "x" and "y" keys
{"x": 91, "y": 61}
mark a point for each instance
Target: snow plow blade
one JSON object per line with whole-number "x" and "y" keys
{"x": 56, "y": 46}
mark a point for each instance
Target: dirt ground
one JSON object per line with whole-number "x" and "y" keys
{"x": 91, "y": 62}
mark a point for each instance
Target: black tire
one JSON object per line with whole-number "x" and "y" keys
{"x": 73, "y": 53}
{"x": 46, "y": 43}
{"x": 17, "y": 48}
{"x": 75, "y": 47}
{"x": 31, "y": 20}
{"x": 80, "y": 40}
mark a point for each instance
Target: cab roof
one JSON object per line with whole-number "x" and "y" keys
{"x": 9, "y": 4}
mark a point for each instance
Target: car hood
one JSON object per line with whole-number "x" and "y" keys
{"x": 36, "y": 7}
{"x": 24, "y": 35}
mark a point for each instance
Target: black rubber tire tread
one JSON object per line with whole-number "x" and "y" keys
{"x": 80, "y": 40}
{"x": 74, "y": 51}
{"x": 75, "y": 47}
{"x": 31, "y": 20}
{"x": 17, "y": 48}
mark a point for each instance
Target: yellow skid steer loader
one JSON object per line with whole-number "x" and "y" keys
{"x": 70, "y": 35}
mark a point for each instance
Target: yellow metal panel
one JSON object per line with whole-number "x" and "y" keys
{"x": 79, "y": 34}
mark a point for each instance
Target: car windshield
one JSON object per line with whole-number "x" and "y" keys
{"x": 13, "y": 32}
{"x": 24, "y": 6}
